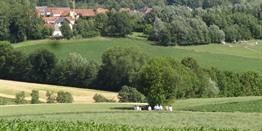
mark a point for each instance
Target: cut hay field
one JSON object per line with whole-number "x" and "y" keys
{"x": 232, "y": 57}
{"x": 8, "y": 89}
{"x": 120, "y": 114}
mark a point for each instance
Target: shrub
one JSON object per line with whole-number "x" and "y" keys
{"x": 64, "y": 97}
{"x": 20, "y": 98}
{"x": 35, "y": 97}
{"x": 51, "y": 98}
{"x": 101, "y": 98}
{"x": 3, "y": 102}
{"x": 129, "y": 94}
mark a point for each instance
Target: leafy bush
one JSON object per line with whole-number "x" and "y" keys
{"x": 35, "y": 97}
{"x": 129, "y": 94}
{"x": 51, "y": 98}
{"x": 64, "y": 97}
{"x": 20, "y": 98}
{"x": 101, "y": 98}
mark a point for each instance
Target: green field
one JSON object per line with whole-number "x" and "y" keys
{"x": 233, "y": 57}
{"x": 6, "y": 101}
{"x": 85, "y": 126}
{"x": 121, "y": 114}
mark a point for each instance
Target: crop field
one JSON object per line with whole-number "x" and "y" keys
{"x": 84, "y": 126}
{"x": 8, "y": 89}
{"x": 246, "y": 54}
{"x": 121, "y": 116}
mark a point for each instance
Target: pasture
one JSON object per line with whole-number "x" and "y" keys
{"x": 233, "y": 57}
{"x": 122, "y": 114}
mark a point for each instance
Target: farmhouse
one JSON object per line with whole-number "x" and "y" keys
{"x": 54, "y": 17}
{"x": 85, "y": 12}
{"x": 102, "y": 11}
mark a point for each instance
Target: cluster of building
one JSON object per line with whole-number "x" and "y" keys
{"x": 54, "y": 17}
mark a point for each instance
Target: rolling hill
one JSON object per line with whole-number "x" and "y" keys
{"x": 8, "y": 89}
{"x": 245, "y": 56}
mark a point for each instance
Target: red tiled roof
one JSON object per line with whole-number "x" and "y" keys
{"x": 85, "y": 12}
{"x": 102, "y": 11}
{"x": 50, "y": 20}
{"x": 62, "y": 11}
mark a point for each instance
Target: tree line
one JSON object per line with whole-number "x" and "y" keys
{"x": 182, "y": 25}
{"x": 137, "y": 4}
{"x": 18, "y": 22}
{"x": 178, "y": 23}
{"x": 131, "y": 71}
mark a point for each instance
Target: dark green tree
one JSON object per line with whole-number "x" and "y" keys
{"x": 35, "y": 97}
{"x": 129, "y": 94}
{"x": 66, "y": 30}
{"x": 118, "y": 25}
{"x": 43, "y": 63}
{"x": 119, "y": 67}
{"x": 20, "y": 98}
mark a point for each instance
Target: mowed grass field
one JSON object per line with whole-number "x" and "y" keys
{"x": 8, "y": 89}
{"x": 246, "y": 56}
{"x": 121, "y": 114}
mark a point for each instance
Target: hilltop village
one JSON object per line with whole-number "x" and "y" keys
{"x": 54, "y": 17}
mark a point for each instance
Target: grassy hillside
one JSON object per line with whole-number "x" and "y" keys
{"x": 234, "y": 57}
{"x": 8, "y": 89}
{"x": 120, "y": 115}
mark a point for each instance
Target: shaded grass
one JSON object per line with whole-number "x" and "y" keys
{"x": 222, "y": 57}
{"x": 247, "y": 106}
{"x": 6, "y": 101}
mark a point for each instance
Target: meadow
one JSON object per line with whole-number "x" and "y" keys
{"x": 122, "y": 115}
{"x": 247, "y": 55}
{"x": 8, "y": 89}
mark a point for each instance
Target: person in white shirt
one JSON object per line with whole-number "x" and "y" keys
{"x": 149, "y": 108}
{"x": 160, "y": 107}
{"x": 170, "y": 109}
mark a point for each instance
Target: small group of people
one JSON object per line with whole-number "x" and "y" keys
{"x": 138, "y": 108}
{"x": 156, "y": 108}
{"x": 160, "y": 108}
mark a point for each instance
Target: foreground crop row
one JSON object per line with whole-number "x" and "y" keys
{"x": 19, "y": 125}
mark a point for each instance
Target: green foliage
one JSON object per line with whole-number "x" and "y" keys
{"x": 20, "y": 98}
{"x": 43, "y": 63}
{"x": 35, "y": 97}
{"x": 6, "y": 101}
{"x": 51, "y": 98}
{"x": 162, "y": 79}
{"x": 118, "y": 25}
{"x": 66, "y": 31}
{"x": 216, "y": 35}
{"x": 76, "y": 71}
{"x": 86, "y": 28}
{"x": 100, "y": 98}
{"x": 129, "y": 94}
{"x": 237, "y": 84}
{"x": 64, "y": 97}
{"x": 19, "y": 22}
{"x": 120, "y": 66}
